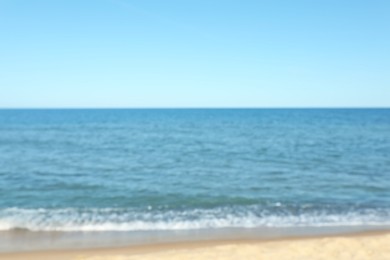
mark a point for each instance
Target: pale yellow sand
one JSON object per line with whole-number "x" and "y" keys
{"x": 374, "y": 246}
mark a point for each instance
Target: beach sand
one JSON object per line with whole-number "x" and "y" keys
{"x": 365, "y": 246}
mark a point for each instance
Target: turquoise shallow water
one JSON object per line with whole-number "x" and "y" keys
{"x": 178, "y": 169}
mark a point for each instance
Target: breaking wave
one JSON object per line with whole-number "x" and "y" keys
{"x": 120, "y": 219}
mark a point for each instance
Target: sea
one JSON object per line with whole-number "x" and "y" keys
{"x": 69, "y": 176}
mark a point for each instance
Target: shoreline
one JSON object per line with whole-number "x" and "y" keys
{"x": 18, "y": 240}
{"x": 367, "y": 243}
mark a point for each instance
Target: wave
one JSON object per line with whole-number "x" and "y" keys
{"x": 120, "y": 219}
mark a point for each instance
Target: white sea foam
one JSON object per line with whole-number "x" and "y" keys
{"x": 110, "y": 219}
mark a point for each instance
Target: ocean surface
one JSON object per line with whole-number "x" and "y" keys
{"x": 193, "y": 169}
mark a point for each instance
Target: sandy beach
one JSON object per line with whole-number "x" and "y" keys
{"x": 362, "y": 246}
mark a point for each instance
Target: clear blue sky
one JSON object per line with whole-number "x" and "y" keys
{"x": 194, "y": 53}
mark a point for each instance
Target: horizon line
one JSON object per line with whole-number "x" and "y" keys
{"x": 169, "y": 108}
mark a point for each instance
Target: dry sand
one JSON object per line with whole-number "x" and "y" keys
{"x": 368, "y": 246}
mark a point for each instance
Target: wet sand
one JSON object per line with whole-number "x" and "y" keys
{"x": 372, "y": 245}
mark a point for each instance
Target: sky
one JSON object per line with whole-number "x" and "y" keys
{"x": 194, "y": 53}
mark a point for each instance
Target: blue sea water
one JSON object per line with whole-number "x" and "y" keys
{"x": 191, "y": 169}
